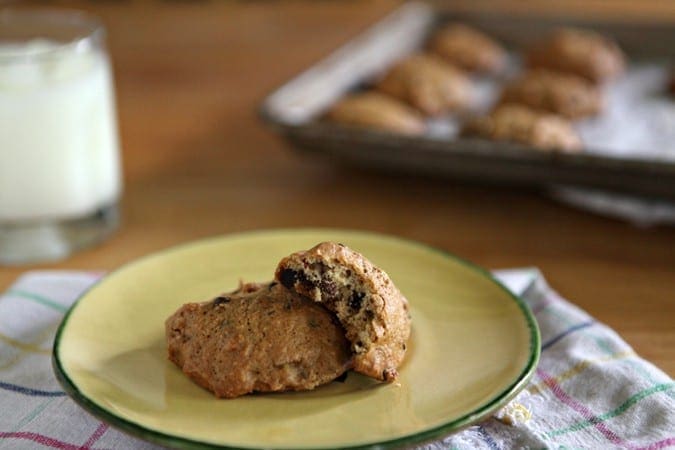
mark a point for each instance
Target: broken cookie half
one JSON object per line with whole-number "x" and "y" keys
{"x": 372, "y": 311}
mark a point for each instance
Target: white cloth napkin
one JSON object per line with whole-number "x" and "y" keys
{"x": 590, "y": 389}
{"x": 640, "y": 211}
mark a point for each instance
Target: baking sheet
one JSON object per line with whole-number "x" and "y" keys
{"x": 629, "y": 148}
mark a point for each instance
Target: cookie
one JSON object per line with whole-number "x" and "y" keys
{"x": 521, "y": 124}
{"x": 376, "y": 111}
{"x": 260, "y": 338}
{"x": 469, "y": 49}
{"x": 581, "y": 52}
{"x": 566, "y": 94}
{"x": 372, "y": 311}
{"x": 428, "y": 84}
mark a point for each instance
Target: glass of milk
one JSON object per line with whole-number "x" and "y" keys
{"x": 59, "y": 154}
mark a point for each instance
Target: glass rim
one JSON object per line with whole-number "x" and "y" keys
{"x": 89, "y": 30}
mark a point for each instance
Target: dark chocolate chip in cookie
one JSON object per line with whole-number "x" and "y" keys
{"x": 356, "y": 300}
{"x": 221, "y": 300}
{"x": 288, "y": 277}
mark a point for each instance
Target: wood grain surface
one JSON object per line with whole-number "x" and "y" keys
{"x": 198, "y": 162}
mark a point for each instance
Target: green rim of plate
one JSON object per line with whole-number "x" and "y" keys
{"x": 440, "y": 431}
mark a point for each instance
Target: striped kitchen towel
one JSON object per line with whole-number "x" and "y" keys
{"x": 590, "y": 389}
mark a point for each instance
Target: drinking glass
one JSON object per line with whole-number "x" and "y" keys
{"x": 60, "y": 176}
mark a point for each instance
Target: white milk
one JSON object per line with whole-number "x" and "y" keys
{"x": 59, "y": 156}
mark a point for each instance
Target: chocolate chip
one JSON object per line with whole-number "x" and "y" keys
{"x": 306, "y": 283}
{"x": 356, "y": 301}
{"x": 288, "y": 277}
{"x": 329, "y": 288}
{"x": 221, "y": 300}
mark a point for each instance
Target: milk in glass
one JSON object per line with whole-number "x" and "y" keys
{"x": 58, "y": 133}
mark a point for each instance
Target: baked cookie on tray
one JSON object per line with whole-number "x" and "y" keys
{"x": 427, "y": 83}
{"x": 372, "y": 311}
{"x": 469, "y": 48}
{"x": 561, "y": 93}
{"x": 521, "y": 124}
{"x": 376, "y": 111}
{"x": 259, "y": 338}
{"x": 582, "y": 52}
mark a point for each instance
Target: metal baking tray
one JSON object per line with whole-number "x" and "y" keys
{"x": 294, "y": 111}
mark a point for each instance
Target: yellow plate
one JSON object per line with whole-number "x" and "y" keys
{"x": 473, "y": 347}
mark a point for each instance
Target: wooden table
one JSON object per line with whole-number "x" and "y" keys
{"x": 198, "y": 162}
